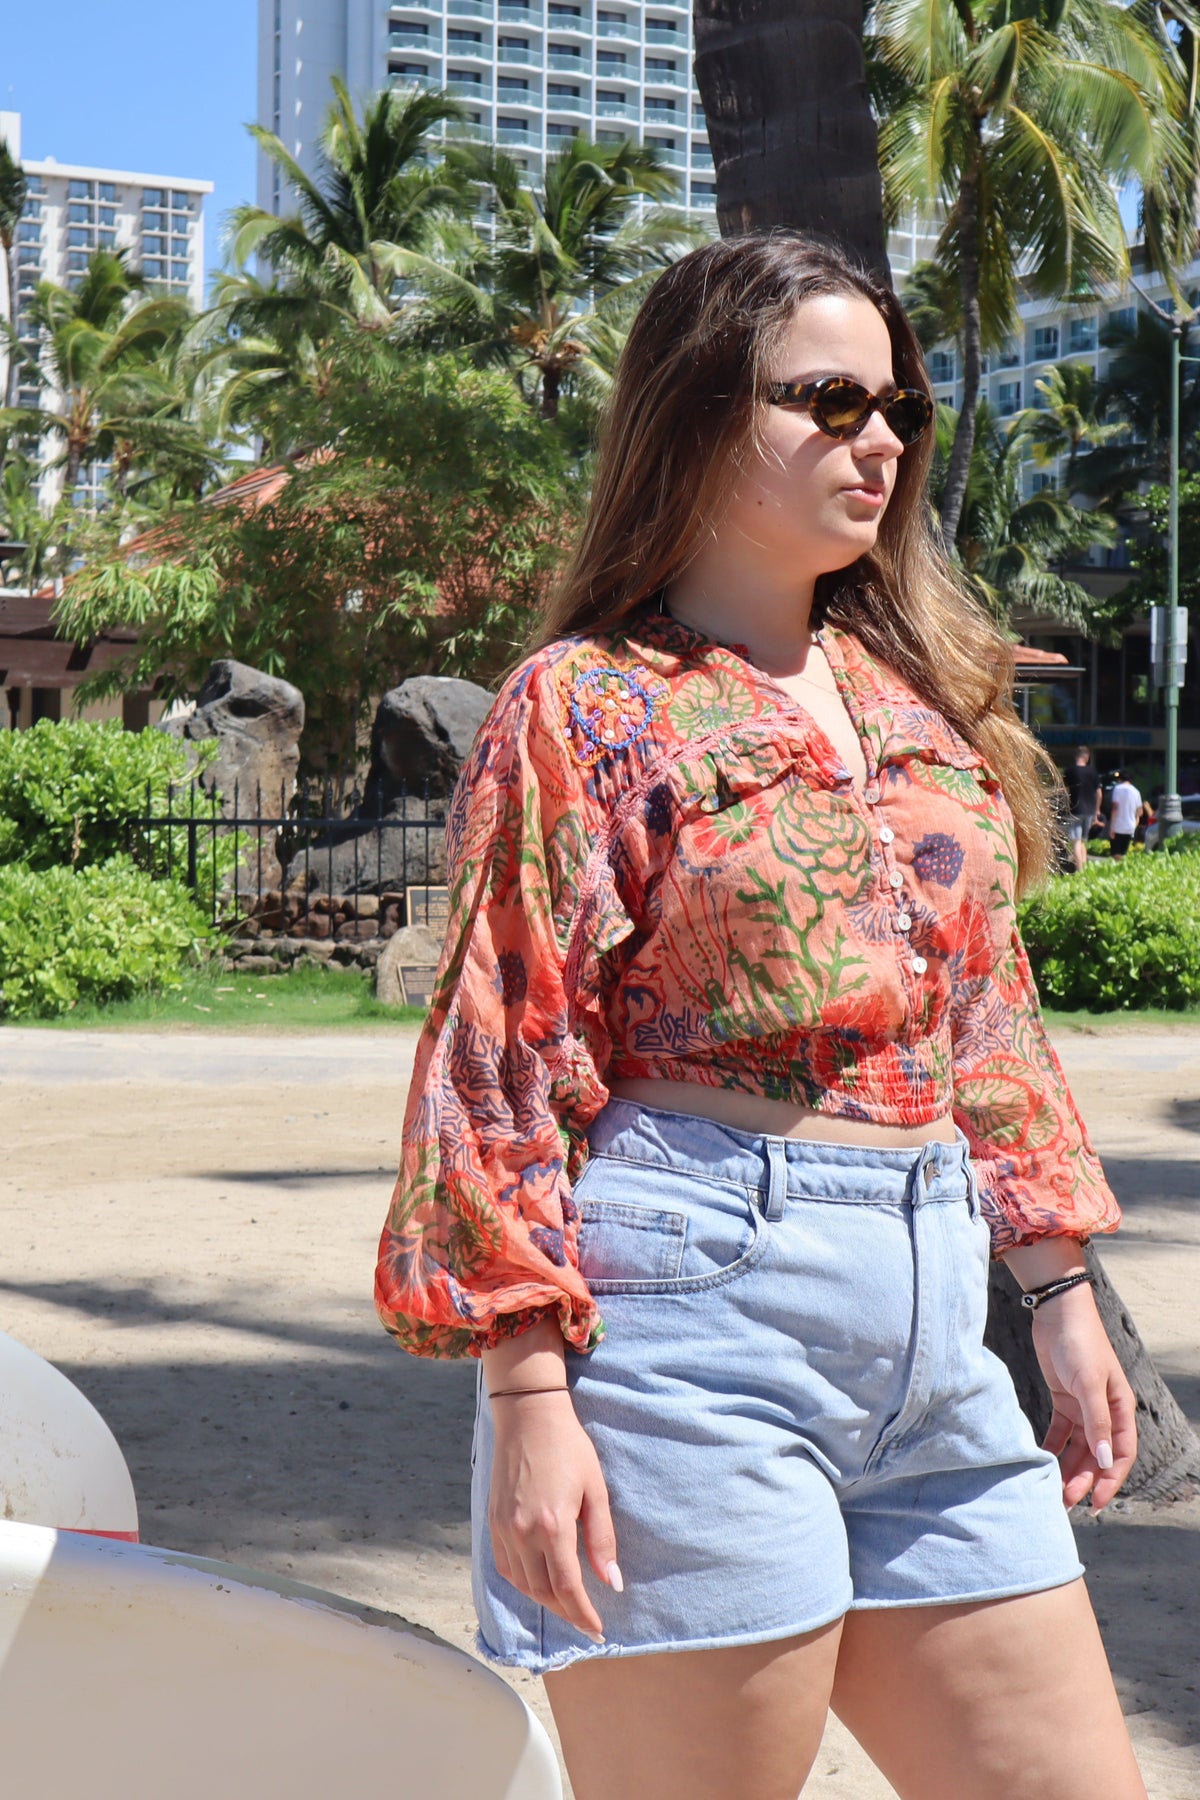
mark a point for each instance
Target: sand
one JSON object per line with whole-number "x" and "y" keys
{"x": 190, "y": 1223}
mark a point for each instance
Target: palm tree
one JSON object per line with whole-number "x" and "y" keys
{"x": 13, "y": 191}
{"x": 1014, "y": 550}
{"x": 376, "y": 184}
{"x": 105, "y": 365}
{"x": 1020, "y": 118}
{"x": 548, "y": 293}
{"x": 1068, "y": 423}
{"x": 793, "y": 137}
{"x": 1138, "y": 386}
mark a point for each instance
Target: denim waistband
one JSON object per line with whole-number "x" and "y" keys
{"x": 785, "y": 1167}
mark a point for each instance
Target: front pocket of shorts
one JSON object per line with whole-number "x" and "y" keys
{"x": 625, "y": 1247}
{"x": 621, "y": 1244}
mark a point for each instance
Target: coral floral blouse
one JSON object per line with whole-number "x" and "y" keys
{"x": 659, "y": 866}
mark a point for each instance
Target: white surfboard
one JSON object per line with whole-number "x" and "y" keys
{"x": 133, "y": 1673}
{"x": 60, "y": 1464}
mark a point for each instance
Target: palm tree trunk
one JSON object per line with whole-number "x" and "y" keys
{"x": 551, "y": 385}
{"x": 793, "y": 137}
{"x": 1168, "y": 1463}
{"x": 964, "y": 432}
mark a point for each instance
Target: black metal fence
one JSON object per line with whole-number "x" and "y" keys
{"x": 263, "y": 863}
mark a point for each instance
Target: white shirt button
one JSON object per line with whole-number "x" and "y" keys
{"x": 896, "y": 879}
{"x": 919, "y": 965}
{"x": 871, "y": 795}
{"x": 886, "y": 834}
{"x": 904, "y": 922}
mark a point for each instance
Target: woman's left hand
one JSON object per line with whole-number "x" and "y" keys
{"x": 1093, "y": 1431}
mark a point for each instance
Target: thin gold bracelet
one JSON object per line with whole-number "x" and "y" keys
{"x": 508, "y": 1393}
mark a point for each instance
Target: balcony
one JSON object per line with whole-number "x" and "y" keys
{"x": 702, "y": 157}
{"x": 518, "y": 53}
{"x": 615, "y": 109}
{"x": 471, "y": 9}
{"x": 509, "y": 14}
{"x": 558, "y": 58}
{"x": 460, "y": 83}
{"x": 666, "y": 77}
{"x": 662, "y": 112}
{"x": 461, "y": 48}
{"x": 576, "y": 103}
{"x": 404, "y": 38}
{"x": 608, "y": 28}
{"x": 662, "y": 34}
{"x": 411, "y": 75}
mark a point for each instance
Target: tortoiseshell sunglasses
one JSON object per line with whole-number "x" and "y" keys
{"x": 841, "y": 407}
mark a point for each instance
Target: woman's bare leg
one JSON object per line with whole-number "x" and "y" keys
{"x": 737, "y": 1724}
{"x": 987, "y": 1702}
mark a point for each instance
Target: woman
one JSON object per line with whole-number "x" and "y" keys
{"x": 733, "y": 1077}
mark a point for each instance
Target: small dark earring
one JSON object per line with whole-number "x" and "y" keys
{"x": 662, "y": 603}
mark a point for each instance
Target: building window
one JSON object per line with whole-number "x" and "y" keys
{"x": 704, "y": 190}
{"x": 661, "y": 65}
{"x": 1045, "y": 342}
{"x": 564, "y": 15}
{"x": 472, "y": 76}
{"x": 562, "y": 90}
{"x": 153, "y": 197}
{"x": 1081, "y": 334}
{"x": 504, "y": 123}
{"x": 29, "y": 232}
{"x": 81, "y": 190}
{"x": 561, "y": 132}
{"x": 1040, "y": 480}
{"x": 941, "y": 365}
{"x": 661, "y": 143}
{"x": 574, "y": 51}
{"x": 611, "y": 61}
{"x": 1037, "y": 399}
{"x": 511, "y": 87}
{"x": 1008, "y": 398}
{"x": 1123, "y": 318}
{"x": 660, "y": 107}
{"x": 463, "y": 40}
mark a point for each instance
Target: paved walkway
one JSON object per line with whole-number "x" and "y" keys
{"x": 190, "y": 1223}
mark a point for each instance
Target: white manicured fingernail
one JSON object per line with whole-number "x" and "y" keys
{"x": 1104, "y": 1454}
{"x": 616, "y": 1580}
{"x": 597, "y": 1637}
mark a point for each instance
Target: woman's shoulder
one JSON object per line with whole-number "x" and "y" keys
{"x": 595, "y": 692}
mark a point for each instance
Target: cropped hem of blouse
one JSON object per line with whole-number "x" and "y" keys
{"x": 659, "y": 865}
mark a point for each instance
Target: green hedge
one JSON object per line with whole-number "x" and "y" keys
{"x": 101, "y": 933}
{"x": 1117, "y": 935}
{"x": 71, "y": 790}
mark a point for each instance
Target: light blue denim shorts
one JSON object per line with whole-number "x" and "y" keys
{"x": 792, "y": 1403}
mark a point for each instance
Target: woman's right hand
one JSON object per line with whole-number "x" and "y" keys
{"x": 546, "y": 1483}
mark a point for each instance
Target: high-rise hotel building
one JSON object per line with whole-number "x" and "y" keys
{"x": 531, "y": 73}
{"x": 72, "y": 210}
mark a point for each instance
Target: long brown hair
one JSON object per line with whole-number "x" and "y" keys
{"x": 684, "y": 412}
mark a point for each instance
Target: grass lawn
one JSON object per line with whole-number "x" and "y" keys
{"x": 308, "y": 999}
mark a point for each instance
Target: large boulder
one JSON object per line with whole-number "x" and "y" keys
{"x": 422, "y": 734}
{"x": 257, "y": 720}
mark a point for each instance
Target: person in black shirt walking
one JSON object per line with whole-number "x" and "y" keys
{"x": 1083, "y": 792}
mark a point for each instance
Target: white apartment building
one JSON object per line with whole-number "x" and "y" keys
{"x": 531, "y": 73}
{"x": 73, "y": 210}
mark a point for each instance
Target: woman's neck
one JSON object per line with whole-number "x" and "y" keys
{"x": 771, "y": 618}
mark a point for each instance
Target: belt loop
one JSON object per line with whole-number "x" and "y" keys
{"x": 777, "y": 1182}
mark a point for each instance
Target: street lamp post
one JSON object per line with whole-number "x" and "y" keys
{"x": 1170, "y": 812}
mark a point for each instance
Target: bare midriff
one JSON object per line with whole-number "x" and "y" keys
{"x": 779, "y": 1118}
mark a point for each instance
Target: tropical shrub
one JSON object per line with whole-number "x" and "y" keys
{"x": 71, "y": 791}
{"x": 1118, "y": 935}
{"x": 103, "y": 932}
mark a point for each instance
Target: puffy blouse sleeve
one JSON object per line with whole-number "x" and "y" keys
{"x": 480, "y": 1240}
{"x": 1038, "y": 1173}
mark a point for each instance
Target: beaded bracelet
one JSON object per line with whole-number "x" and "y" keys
{"x": 1034, "y": 1297}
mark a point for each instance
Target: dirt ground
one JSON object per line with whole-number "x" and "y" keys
{"x": 189, "y": 1228}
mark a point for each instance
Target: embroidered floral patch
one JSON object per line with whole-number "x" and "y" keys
{"x": 610, "y": 709}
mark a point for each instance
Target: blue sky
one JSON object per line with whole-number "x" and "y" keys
{"x": 148, "y": 85}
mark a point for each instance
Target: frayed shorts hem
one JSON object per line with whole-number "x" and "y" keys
{"x": 562, "y": 1659}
